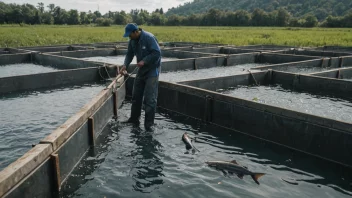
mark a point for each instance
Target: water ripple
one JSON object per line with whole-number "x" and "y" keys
{"x": 140, "y": 164}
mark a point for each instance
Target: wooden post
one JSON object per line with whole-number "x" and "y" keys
{"x": 338, "y": 74}
{"x": 115, "y": 100}
{"x": 341, "y": 62}
{"x": 91, "y": 131}
{"x": 227, "y": 60}
{"x": 56, "y": 165}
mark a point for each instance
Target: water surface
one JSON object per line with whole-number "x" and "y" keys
{"x": 130, "y": 162}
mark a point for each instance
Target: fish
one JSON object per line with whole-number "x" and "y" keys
{"x": 234, "y": 167}
{"x": 187, "y": 140}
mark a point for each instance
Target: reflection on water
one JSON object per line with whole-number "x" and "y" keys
{"x": 147, "y": 165}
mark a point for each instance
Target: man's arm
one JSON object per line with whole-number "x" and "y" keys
{"x": 154, "y": 46}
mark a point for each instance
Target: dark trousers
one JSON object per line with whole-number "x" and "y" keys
{"x": 147, "y": 87}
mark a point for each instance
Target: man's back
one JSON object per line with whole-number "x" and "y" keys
{"x": 146, "y": 48}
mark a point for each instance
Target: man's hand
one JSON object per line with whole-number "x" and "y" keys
{"x": 140, "y": 64}
{"x": 123, "y": 70}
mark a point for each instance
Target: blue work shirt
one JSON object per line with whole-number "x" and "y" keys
{"x": 146, "y": 48}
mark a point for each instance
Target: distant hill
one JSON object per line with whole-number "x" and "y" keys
{"x": 297, "y": 8}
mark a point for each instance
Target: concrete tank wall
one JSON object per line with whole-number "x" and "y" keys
{"x": 184, "y": 54}
{"x": 298, "y": 131}
{"x": 313, "y": 84}
{"x": 326, "y": 54}
{"x": 343, "y": 73}
{"x": 48, "y": 80}
{"x": 282, "y": 58}
{"x": 244, "y": 78}
{"x": 62, "y": 62}
{"x": 86, "y": 53}
{"x": 42, "y": 170}
{"x": 8, "y": 59}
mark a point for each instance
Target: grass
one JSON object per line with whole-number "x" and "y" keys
{"x": 37, "y": 35}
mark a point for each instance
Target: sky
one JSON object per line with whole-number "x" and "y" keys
{"x": 106, "y": 5}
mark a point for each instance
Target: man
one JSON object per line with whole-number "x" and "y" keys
{"x": 145, "y": 47}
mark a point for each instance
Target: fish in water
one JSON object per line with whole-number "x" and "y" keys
{"x": 187, "y": 140}
{"x": 234, "y": 167}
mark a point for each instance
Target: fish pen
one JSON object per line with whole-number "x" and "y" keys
{"x": 231, "y": 121}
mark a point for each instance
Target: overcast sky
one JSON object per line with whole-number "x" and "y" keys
{"x": 106, "y": 5}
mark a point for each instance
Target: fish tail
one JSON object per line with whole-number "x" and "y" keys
{"x": 256, "y": 176}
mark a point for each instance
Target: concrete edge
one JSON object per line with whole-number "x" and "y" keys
{"x": 214, "y": 78}
{"x": 4, "y": 55}
{"x": 291, "y": 55}
{"x": 273, "y": 66}
{"x": 331, "y": 70}
{"x": 19, "y": 169}
{"x": 62, "y": 133}
{"x": 83, "y": 50}
{"x": 326, "y": 122}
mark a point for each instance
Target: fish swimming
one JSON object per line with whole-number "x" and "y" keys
{"x": 187, "y": 140}
{"x": 234, "y": 167}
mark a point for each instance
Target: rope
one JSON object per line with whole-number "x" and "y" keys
{"x": 100, "y": 74}
{"x": 107, "y": 71}
{"x": 109, "y": 77}
{"x": 129, "y": 76}
{"x": 135, "y": 69}
{"x": 253, "y": 78}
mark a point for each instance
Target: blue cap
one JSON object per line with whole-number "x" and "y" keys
{"x": 129, "y": 29}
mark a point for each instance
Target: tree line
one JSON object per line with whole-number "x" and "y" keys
{"x": 297, "y": 8}
{"x": 51, "y": 14}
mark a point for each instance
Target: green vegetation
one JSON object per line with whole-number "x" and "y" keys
{"x": 298, "y": 8}
{"x": 283, "y": 13}
{"x": 35, "y": 35}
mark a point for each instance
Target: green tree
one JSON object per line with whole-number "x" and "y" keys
{"x": 73, "y": 17}
{"x": 174, "y": 20}
{"x": 91, "y": 17}
{"x": 40, "y": 7}
{"x": 16, "y": 15}
{"x": 348, "y": 20}
{"x": 294, "y": 22}
{"x": 339, "y": 8}
{"x": 157, "y": 19}
{"x": 104, "y": 21}
{"x": 311, "y": 21}
{"x": 283, "y": 17}
{"x": 193, "y": 20}
{"x": 28, "y": 12}
{"x": 3, "y": 13}
{"x": 47, "y": 18}
{"x": 51, "y": 8}
{"x": 97, "y": 14}
{"x": 258, "y": 17}
{"x": 38, "y": 17}
{"x": 213, "y": 17}
{"x": 83, "y": 18}
{"x": 142, "y": 18}
{"x": 121, "y": 18}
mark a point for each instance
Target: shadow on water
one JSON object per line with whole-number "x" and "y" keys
{"x": 91, "y": 161}
{"x": 147, "y": 167}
